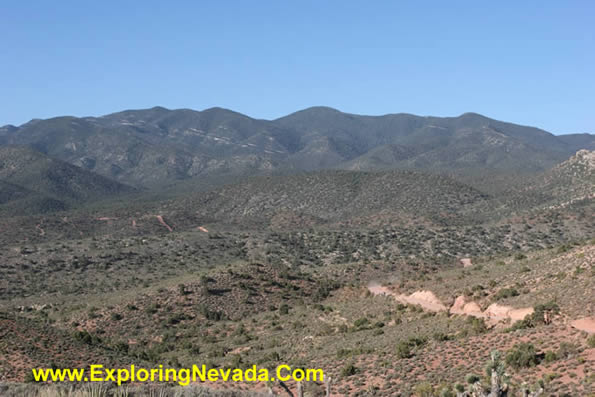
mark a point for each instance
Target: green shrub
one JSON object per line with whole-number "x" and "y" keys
{"x": 472, "y": 379}
{"x": 116, "y": 316}
{"x": 404, "y": 350}
{"x": 522, "y": 355}
{"x": 567, "y": 350}
{"x": 506, "y": 293}
{"x": 86, "y": 337}
{"x": 550, "y": 356}
{"x": 424, "y": 389}
{"x": 478, "y": 325}
{"x": 349, "y": 370}
{"x": 541, "y": 315}
{"x": 440, "y": 337}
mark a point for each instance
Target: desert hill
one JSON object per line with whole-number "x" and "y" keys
{"x": 33, "y": 182}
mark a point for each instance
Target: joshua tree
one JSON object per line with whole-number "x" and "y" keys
{"x": 495, "y": 369}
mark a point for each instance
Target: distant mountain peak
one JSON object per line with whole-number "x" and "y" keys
{"x": 472, "y": 115}
{"x": 322, "y": 109}
{"x": 160, "y": 108}
{"x": 9, "y": 128}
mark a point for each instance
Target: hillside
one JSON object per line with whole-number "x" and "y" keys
{"x": 33, "y": 182}
{"x": 395, "y": 252}
{"x": 579, "y": 141}
{"x": 340, "y": 196}
{"x": 157, "y": 146}
{"x": 532, "y": 207}
{"x": 570, "y": 182}
{"x": 365, "y": 338}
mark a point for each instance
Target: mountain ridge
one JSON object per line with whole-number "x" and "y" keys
{"x": 155, "y": 146}
{"x": 33, "y": 182}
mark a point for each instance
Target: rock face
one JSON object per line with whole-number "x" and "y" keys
{"x": 494, "y": 313}
{"x": 498, "y": 312}
{"x": 466, "y": 262}
{"x": 426, "y": 299}
{"x": 585, "y": 157}
{"x": 461, "y": 306}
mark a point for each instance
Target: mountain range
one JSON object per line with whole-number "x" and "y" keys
{"x": 397, "y": 252}
{"x": 155, "y": 147}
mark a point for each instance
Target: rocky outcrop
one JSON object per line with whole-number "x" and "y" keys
{"x": 426, "y": 299}
{"x": 494, "y": 313}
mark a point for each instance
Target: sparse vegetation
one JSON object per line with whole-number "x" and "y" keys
{"x": 278, "y": 269}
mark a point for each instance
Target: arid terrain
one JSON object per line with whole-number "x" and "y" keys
{"x": 396, "y": 260}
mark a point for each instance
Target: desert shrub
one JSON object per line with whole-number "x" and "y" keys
{"x": 415, "y": 342}
{"x": 440, "y": 337}
{"x": 404, "y": 350}
{"x": 541, "y": 310}
{"x": 446, "y": 392}
{"x": 121, "y": 347}
{"x": 563, "y": 248}
{"x": 324, "y": 290}
{"x": 86, "y": 337}
{"x": 116, "y": 316}
{"x": 211, "y": 314}
{"x": 182, "y": 289}
{"x": 506, "y": 293}
{"x": 478, "y": 325}
{"x": 284, "y": 309}
{"x": 522, "y": 355}
{"x": 349, "y": 370}
{"x": 29, "y": 378}
{"x": 342, "y": 353}
{"x": 540, "y": 316}
{"x": 567, "y": 350}
{"x": 175, "y": 318}
{"x": 424, "y": 389}
{"x": 591, "y": 341}
{"x": 472, "y": 379}
{"x": 550, "y": 356}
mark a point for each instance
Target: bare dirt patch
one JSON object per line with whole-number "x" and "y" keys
{"x": 466, "y": 262}
{"x": 426, "y": 299}
{"x": 586, "y": 324}
{"x": 160, "y": 219}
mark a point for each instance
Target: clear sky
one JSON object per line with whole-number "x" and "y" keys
{"x": 529, "y": 62}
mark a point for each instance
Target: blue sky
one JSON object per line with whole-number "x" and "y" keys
{"x": 529, "y": 62}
